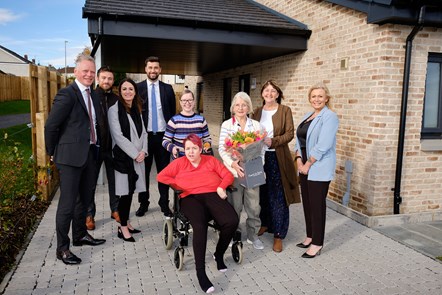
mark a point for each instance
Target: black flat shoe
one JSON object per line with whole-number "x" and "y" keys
{"x": 134, "y": 231}
{"x": 301, "y": 245}
{"x": 121, "y": 236}
{"x": 305, "y": 255}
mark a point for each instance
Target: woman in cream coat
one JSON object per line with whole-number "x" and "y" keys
{"x": 129, "y": 148}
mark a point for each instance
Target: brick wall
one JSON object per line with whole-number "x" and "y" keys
{"x": 366, "y": 97}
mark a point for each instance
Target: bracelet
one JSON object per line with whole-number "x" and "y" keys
{"x": 310, "y": 161}
{"x": 298, "y": 157}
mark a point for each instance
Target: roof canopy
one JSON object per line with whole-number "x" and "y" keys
{"x": 190, "y": 37}
{"x": 404, "y": 12}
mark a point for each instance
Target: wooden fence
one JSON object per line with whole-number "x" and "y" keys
{"x": 40, "y": 88}
{"x": 43, "y": 86}
{"x": 14, "y": 88}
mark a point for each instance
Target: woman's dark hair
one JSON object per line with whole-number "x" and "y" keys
{"x": 137, "y": 99}
{"x": 193, "y": 138}
{"x": 277, "y": 88}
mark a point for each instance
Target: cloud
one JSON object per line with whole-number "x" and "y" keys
{"x": 7, "y": 16}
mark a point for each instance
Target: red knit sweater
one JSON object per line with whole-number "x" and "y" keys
{"x": 206, "y": 178}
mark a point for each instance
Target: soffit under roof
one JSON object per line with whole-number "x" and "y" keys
{"x": 190, "y": 37}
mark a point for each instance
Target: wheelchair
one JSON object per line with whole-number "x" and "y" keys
{"x": 178, "y": 227}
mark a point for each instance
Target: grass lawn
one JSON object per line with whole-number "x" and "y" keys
{"x": 20, "y": 136}
{"x": 15, "y": 107}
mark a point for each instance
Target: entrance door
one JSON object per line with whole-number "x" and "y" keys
{"x": 227, "y": 97}
{"x": 244, "y": 83}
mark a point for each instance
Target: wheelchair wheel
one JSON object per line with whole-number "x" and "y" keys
{"x": 178, "y": 258}
{"x": 168, "y": 234}
{"x": 237, "y": 252}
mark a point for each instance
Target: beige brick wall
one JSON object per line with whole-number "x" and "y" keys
{"x": 366, "y": 97}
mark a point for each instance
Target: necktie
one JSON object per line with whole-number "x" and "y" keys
{"x": 154, "y": 110}
{"x": 91, "y": 119}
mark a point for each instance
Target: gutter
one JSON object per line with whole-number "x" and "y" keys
{"x": 405, "y": 87}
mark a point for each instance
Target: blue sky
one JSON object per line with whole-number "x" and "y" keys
{"x": 39, "y": 28}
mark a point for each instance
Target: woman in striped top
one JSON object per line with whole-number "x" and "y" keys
{"x": 183, "y": 124}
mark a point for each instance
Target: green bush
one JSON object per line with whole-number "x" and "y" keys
{"x": 20, "y": 207}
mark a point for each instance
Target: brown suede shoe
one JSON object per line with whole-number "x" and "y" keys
{"x": 90, "y": 223}
{"x": 116, "y": 216}
{"x": 277, "y": 245}
{"x": 262, "y": 230}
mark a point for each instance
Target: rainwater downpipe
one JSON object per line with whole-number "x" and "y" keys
{"x": 100, "y": 34}
{"x": 405, "y": 86}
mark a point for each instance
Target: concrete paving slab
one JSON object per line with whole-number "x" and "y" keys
{"x": 425, "y": 237}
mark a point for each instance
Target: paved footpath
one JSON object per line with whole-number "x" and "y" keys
{"x": 13, "y": 120}
{"x": 355, "y": 260}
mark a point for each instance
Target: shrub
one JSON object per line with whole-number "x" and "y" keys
{"x": 20, "y": 208}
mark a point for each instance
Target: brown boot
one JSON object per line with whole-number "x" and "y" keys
{"x": 262, "y": 230}
{"x": 277, "y": 245}
{"x": 116, "y": 216}
{"x": 90, "y": 223}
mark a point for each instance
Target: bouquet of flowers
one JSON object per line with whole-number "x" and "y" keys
{"x": 245, "y": 145}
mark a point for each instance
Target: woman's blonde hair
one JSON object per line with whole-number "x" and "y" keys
{"x": 322, "y": 86}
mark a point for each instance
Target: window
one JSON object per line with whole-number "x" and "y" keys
{"x": 432, "y": 115}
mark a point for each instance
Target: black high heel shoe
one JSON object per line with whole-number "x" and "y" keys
{"x": 134, "y": 231}
{"x": 305, "y": 255}
{"x": 302, "y": 245}
{"x": 121, "y": 236}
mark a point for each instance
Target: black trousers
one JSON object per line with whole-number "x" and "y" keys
{"x": 314, "y": 195}
{"x": 76, "y": 192}
{"x": 106, "y": 157}
{"x": 202, "y": 208}
{"x": 124, "y": 209}
{"x": 162, "y": 157}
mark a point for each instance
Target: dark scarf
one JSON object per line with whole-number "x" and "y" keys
{"x": 122, "y": 162}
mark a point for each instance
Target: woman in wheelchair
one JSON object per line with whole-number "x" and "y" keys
{"x": 203, "y": 181}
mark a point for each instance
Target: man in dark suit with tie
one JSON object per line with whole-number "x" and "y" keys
{"x": 71, "y": 134}
{"x": 158, "y": 107}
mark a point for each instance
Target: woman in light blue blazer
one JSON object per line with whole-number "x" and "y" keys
{"x": 316, "y": 160}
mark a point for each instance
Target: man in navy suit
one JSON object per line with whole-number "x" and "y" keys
{"x": 71, "y": 137}
{"x": 158, "y": 107}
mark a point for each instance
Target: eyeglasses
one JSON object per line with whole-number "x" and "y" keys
{"x": 186, "y": 100}
{"x": 241, "y": 106}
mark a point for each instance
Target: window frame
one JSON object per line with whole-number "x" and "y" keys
{"x": 433, "y": 132}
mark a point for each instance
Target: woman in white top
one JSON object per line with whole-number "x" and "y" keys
{"x": 281, "y": 188}
{"x": 243, "y": 197}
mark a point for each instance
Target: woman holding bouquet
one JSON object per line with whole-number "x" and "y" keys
{"x": 281, "y": 188}
{"x": 247, "y": 197}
